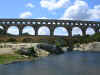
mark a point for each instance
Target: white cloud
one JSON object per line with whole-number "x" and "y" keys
{"x": 53, "y": 4}
{"x": 81, "y": 11}
{"x": 77, "y": 11}
{"x": 95, "y": 12}
{"x": 30, "y": 5}
{"x": 25, "y": 14}
{"x": 43, "y": 18}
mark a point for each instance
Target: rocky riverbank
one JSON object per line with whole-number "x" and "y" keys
{"x": 94, "y": 46}
{"x": 8, "y": 55}
{"x": 22, "y": 54}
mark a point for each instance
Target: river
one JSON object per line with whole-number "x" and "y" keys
{"x": 71, "y": 63}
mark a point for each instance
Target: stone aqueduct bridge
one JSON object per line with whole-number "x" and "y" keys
{"x": 51, "y": 24}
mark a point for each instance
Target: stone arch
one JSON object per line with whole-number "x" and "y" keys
{"x": 90, "y": 31}
{"x": 1, "y": 30}
{"x": 44, "y": 30}
{"x": 13, "y": 30}
{"x": 60, "y": 31}
{"x": 28, "y": 30}
{"x": 77, "y": 31}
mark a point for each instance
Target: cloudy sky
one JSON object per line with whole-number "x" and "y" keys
{"x": 51, "y": 9}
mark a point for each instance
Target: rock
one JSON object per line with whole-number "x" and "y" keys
{"x": 26, "y": 52}
{"x": 53, "y": 49}
{"x": 64, "y": 49}
{"x": 94, "y": 46}
{"x": 25, "y": 56}
{"x": 41, "y": 52}
{"x": 42, "y": 49}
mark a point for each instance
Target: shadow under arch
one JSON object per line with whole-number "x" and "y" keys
{"x": 77, "y": 31}
{"x": 28, "y": 30}
{"x": 60, "y": 31}
{"x": 90, "y": 31}
{"x": 13, "y": 30}
{"x": 44, "y": 30}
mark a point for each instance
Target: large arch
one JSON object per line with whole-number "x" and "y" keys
{"x": 1, "y": 30}
{"x": 76, "y": 31}
{"x": 90, "y": 31}
{"x": 60, "y": 31}
{"x": 44, "y": 30}
{"x": 28, "y": 30}
{"x": 13, "y": 30}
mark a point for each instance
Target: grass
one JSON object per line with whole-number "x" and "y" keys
{"x": 9, "y": 58}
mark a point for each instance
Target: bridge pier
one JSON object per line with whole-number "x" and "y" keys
{"x": 36, "y": 30}
{"x": 83, "y": 33}
{"x": 70, "y": 45}
{"x": 20, "y": 32}
{"x": 97, "y": 30}
{"x": 70, "y": 33}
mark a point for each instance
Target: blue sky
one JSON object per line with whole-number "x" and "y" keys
{"x": 51, "y": 9}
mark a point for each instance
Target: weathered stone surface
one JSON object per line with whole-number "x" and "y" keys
{"x": 41, "y": 52}
{"x": 26, "y": 52}
{"x": 95, "y": 46}
{"x": 53, "y": 49}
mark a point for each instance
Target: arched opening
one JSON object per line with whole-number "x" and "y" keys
{"x": 60, "y": 31}
{"x": 44, "y": 31}
{"x": 13, "y": 30}
{"x": 1, "y": 30}
{"x": 76, "y": 31}
{"x": 28, "y": 30}
{"x": 90, "y": 31}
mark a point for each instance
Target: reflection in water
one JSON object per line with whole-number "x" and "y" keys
{"x": 72, "y": 63}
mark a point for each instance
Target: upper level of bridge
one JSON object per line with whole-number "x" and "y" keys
{"x": 47, "y": 22}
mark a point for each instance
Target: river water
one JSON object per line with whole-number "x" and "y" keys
{"x": 71, "y": 63}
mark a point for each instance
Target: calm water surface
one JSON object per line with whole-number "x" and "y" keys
{"x": 72, "y": 63}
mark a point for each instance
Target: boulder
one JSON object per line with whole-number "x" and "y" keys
{"x": 41, "y": 52}
{"x": 26, "y": 52}
{"x": 53, "y": 49}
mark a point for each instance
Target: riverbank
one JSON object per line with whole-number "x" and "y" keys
{"x": 10, "y": 58}
{"x": 93, "y": 47}
{"x": 10, "y": 55}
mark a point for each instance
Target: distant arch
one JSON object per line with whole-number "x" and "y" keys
{"x": 76, "y": 31}
{"x": 13, "y": 30}
{"x": 90, "y": 31}
{"x": 28, "y": 30}
{"x": 60, "y": 31}
{"x": 44, "y": 30}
